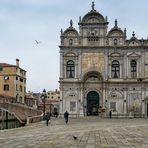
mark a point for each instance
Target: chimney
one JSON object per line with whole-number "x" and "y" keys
{"x": 17, "y": 62}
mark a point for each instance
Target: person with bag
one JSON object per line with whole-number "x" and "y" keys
{"x": 66, "y": 115}
{"x": 47, "y": 118}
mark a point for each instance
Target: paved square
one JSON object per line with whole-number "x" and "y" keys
{"x": 90, "y": 132}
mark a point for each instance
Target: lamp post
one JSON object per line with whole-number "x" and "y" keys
{"x": 44, "y": 96}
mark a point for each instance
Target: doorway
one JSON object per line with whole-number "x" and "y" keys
{"x": 147, "y": 109}
{"x": 92, "y": 103}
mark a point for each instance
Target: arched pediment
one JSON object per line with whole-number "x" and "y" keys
{"x": 70, "y": 32}
{"x": 133, "y": 42}
{"x": 115, "y": 33}
{"x": 115, "y": 54}
{"x": 92, "y": 76}
{"x": 93, "y": 17}
{"x": 70, "y": 54}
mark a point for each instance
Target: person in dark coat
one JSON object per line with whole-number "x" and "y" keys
{"x": 66, "y": 114}
{"x": 110, "y": 114}
{"x": 47, "y": 118}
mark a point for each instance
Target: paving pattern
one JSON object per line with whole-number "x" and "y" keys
{"x": 89, "y": 132}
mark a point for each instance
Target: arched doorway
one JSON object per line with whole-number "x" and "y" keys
{"x": 92, "y": 103}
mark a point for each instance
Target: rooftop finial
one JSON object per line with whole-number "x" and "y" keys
{"x": 71, "y": 23}
{"x": 116, "y": 22}
{"x": 93, "y": 6}
{"x": 133, "y": 34}
{"x": 61, "y": 31}
{"x": 80, "y": 19}
{"x": 106, "y": 18}
{"x": 124, "y": 31}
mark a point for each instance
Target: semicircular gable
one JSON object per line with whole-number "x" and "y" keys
{"x": 116, "y": 32}
{"x": 134, "y": 42}
{"x": 93, "y": 17}
{"x": 92, "y": 76}
{"x": 70, "y": 33}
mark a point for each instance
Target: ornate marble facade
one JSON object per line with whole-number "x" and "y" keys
{"x": 102, "y": 69}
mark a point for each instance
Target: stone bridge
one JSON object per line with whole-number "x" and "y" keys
{"x": 22, "y": 112}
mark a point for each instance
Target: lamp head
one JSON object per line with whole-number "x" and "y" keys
{"x": 44, "y": 90}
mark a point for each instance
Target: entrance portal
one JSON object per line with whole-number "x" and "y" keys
{"x": 147, "y": 109}
{"x": 92, "y": 103}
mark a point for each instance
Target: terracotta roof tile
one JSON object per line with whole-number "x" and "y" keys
{"x": 6, "y": 65}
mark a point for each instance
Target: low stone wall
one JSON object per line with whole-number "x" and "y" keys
{"x": 34, "y": 119}
{"x": 128, "y": 115}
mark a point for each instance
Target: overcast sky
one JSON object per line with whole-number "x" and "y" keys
{"x": 24, "y": 21}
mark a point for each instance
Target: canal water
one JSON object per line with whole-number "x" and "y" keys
{"x": 9, "y": 124}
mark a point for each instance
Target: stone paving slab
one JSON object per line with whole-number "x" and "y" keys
{"x": 91, "y": 132}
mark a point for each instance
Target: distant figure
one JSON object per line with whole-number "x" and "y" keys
{"x": 47, "y": 118}
{"x": 110, "y": 114}
{"x": 66, "y": 114}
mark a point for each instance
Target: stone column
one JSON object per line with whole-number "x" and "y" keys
{"x": 103, "y": 97}
{"x": 142, "y": 65}
{"x": 61, "y": 102}
{"x": 143, "y": 107}
{"x": 81, "y": 101}
{"x": 61, "y": 64}
{"x": 76, "y": 68}
{"x": 79, "y": 66}
{"x": 106, "y": 66}
{"x": 106, "y": 101}
{"x": 121, "y": 70}
{"x": 124, "y": 102}
{"x": 125, "y": 66}
{"x": 143, "y": 103}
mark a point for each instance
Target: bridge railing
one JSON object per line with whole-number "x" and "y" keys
{"x": 34, "y": 119}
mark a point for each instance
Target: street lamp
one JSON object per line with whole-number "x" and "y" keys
{"x": 44, "y": 96}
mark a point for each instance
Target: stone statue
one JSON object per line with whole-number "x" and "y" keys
{"x": 93, "y": 6}
{"x": 71, "y": 23}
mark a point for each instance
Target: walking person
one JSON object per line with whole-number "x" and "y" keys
{"x": 66, "y": 114}
{"x": 47, "y": 118}
{"x": 110, "y": 114}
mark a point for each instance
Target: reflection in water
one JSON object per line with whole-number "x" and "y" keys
{"x": 8, "y": 120}
{"x": 9, "y": 124}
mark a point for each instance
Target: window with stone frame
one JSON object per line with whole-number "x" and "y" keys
{"x": 70, "y": 42}
{"x": 72, "y": 106}
{"x": 115, "y": 69}
{"x": 21, "y": 88}
{"x": 113, "y": 106}
{"x": 133, "y": 65}
{"x": 70, "y": 68}
{"x": 115, "y": 42}
{"x": 6, "y": 87}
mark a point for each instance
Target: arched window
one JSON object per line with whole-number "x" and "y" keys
{"x": 133, "y": 69}
{"x": 115, "y": 42}
{"x": 70, "y": 69}
{"x": 70, "y": 42}
{"x": 115, "y": 69}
